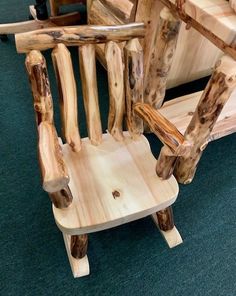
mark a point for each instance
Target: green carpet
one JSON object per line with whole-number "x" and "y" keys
{"x": 129, "y": 260}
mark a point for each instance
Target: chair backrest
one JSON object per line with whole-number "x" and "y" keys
{"x": 125, "y": 77}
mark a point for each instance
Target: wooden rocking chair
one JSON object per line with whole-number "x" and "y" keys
{"x": 107, "y": 179}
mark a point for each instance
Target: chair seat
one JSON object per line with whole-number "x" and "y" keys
{"x": 112, "y": 184}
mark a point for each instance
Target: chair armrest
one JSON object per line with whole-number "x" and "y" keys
{"x": 168, "y": 134}
{"x": 53, "y": 168}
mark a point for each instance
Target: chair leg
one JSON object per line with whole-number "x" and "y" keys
{"x": 165, "y": 222}
{"x": 165, "y": 219}
{"x": 77, "y": 244}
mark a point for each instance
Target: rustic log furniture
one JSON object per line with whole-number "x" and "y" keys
{"x": 203, "y": 116}
{"x": 198, "y": 115}
{"x": 109, "y": 178}
{"x": 190, "y": 61}
{"x": 39, "y": 18}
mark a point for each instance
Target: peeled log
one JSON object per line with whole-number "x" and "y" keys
{"x": 116, "y": 89}
{"x": 79, "y": 245}
{"x": 146, "y": 12}
{"x": 67, "y": 95}
{"x": 215, "y": 96}
{"x": 161, "y": 57}
{"x": 38, "y": 76}
{"x": 77, "y": 35}
{"x": 90, "y": 92}
{"x": 134, "y": 85}
{"x": 165, "y": 163}
{"x": 54, "y": 173}
{"x": 168, "y": 134}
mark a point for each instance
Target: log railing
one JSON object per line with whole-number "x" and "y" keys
{"x": 77, "y": 35}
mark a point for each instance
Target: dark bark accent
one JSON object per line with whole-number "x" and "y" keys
{"x": 79, "y": 245}
{"x": 165, "y": 165}
{"x": 61, "y": 199}
{"x": 38, "y": 77}
{"x": 162, "y": 53}
{"x": 165, "y": 219}
{"x": 133, "y": 85}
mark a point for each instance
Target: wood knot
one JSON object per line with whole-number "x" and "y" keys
{"x": 190, "y": 113}
{"x": 115, "y": 194}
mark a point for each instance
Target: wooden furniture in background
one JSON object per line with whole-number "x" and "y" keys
{"x": 107, "y": 179}
{"x": 211, "y": 114}
{"x": 40, "y": 18}
{"x": 189, "y": 62}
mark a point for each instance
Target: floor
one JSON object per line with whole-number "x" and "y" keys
{"x": 129, "y": 260}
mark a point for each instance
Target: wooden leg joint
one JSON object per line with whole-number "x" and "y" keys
{"x": 165, "y": 219}
{"x": 79, "y": 245}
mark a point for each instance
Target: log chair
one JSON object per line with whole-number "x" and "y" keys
{"x": 40, "y": 19}
{"x": 107, "y": 179}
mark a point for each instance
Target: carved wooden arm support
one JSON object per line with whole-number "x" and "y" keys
{"x": 54, "y": 173}
{"x": 53, "y": 169}
{"x": 168, "y": 134}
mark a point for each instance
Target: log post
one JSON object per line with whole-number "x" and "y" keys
{"x": 168, "y": 134}
{"x": 146, "y": 12}
{"x": 215, "y": 96}
{"x": 79, "y": 245}
{"x": 161, "y": 57}
{"x": 115, "y": 73}
{"x": 134, "y": 85}
{"x": 165, "y": 219}
{"x": 165, "y": 163}
{"x": 61, "y": 199}
{"x": 38, "y": 77}
{"x": 67, "y": 95}
{"x": 90, "y": 92}
{"x": 54, "y": 173}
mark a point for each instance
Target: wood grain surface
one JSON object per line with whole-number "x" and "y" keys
{"x": 132, "y": 189}
{"x": 77, "y": 35}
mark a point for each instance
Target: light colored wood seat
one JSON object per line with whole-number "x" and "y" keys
{"x": 112, "y": 184}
